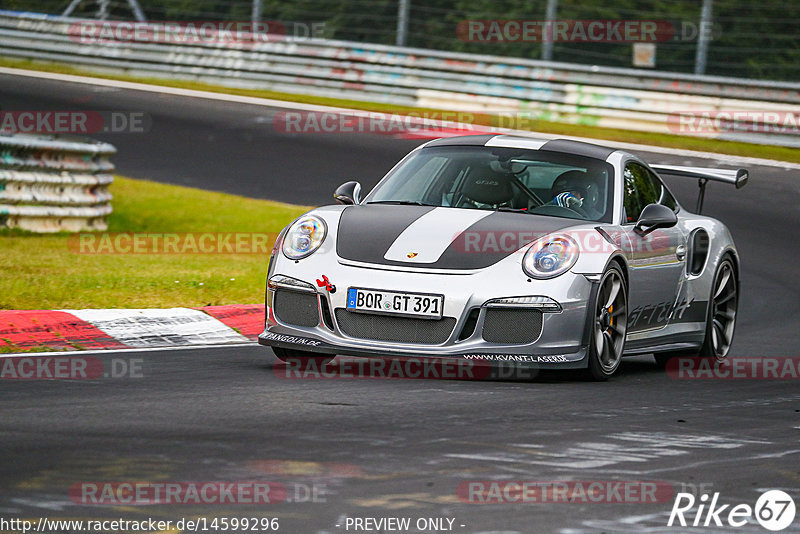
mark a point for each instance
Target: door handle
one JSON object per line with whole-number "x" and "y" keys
{"x": 680, "y": 252}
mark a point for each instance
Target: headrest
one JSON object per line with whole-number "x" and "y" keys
{"x": 487, "y": 186}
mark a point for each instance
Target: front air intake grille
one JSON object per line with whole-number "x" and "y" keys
{"x": 298, "y": 309}
{"x": 399, "y": 329}
{"x": 512, "y": 325}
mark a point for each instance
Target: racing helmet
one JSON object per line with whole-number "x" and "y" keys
{"x": 577, "y": 189}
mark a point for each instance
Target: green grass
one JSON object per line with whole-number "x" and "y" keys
{"x": 11, "y": 348}
{"x": 557, "y": 128}
{"x": 46, "y": 272}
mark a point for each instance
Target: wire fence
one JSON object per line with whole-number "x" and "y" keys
{"x": 756, "y": 40}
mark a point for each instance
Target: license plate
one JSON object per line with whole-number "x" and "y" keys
{"x": 395, "y": 303}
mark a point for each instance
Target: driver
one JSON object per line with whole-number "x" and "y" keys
{"x": 579, "y": 192}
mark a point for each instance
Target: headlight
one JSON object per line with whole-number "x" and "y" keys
{"x": 304, "y": 237}
{"x": 550, "y": 256}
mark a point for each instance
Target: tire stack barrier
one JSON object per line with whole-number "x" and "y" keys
{"x": 48, "y": 184}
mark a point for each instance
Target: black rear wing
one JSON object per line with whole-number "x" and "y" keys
{"x": 736, "y": 177}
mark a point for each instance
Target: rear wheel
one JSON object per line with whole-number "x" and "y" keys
{"x": 301, "y": 356}
{"x": 609, "y": 325}
{"x": 722, "y": 308}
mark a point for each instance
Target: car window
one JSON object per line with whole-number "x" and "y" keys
{"x": 502, "y": 178}
{"x": 642, "y": 187}
{"x": 663, "y": 194}
{"x": 422, "y": 173}
{"x": 639, "y": 191}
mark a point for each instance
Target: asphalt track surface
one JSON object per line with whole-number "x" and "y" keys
{"x": 398, "y": 448}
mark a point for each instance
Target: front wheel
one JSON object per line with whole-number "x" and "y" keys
{"x": 292, "y": 356}
{"x": 609, "y": 325}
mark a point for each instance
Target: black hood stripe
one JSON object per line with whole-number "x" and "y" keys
{"x": 366, "y": 233}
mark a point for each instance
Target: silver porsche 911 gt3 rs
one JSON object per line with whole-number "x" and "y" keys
{"x": 556, "y": 254}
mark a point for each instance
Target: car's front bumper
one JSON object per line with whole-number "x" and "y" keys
{"x": 562, "y": 341}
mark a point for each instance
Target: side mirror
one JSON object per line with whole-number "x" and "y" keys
{"x": 348, "y": 193}
{"x": 655, "y": 216}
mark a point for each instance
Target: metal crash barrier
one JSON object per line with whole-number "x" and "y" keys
{"x": 52, "y": 185}
{"x": 516, "y": 90}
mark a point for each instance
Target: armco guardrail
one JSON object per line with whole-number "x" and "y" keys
{"x": 519, "y": 88}
{"x": 51, "y": 185}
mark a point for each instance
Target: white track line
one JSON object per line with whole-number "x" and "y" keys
{"x": 104, "y": 352}
{"x": 192, "y": 93}
{"x": 159, "y": 327}
{"x": 163, "y": 89}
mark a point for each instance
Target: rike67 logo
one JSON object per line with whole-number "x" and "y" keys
{"x": 774, "y": 510}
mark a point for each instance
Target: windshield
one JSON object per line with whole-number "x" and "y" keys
{"x": 506, "y": 179}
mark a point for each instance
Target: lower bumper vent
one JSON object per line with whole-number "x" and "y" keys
{"x": 399, "y": 329}
{"x": 512, "y": 326}
{"x": 299, "y": 309}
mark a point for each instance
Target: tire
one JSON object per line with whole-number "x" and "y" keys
{"x": 609, "y": 325}
{"x": 722, "y": 308}
{"x": 288, "y": 355}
